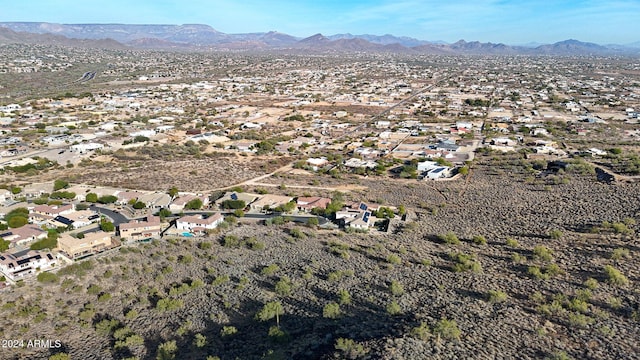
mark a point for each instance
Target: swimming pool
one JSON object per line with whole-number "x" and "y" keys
{"x": 187, "y": 234}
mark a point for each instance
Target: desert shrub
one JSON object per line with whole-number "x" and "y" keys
{"x": 283, "y": 286}
{"x": 344, "y": 297}
{"x": 394, "y": 259}
{"x": 542, "y": 253}
{"x": 331, "y": 311}
{"x": 270, "y": 270}
{"x": 396, "y": 288}
{"x": 591, "y": 283}
{"x": 479, "y": 240}
{"x": 555, "y": 234}
{"x": 199, "y": 340}
{"x": 228, "y": 331}
{"x": 511, "y": 242}
{"x": 464, "y": 262}
{"x": 278, "y": 335}
{"x": 393, "y": 308}
{"x": 614, "y": 276}
{"x": 620, "y": 253}
{"x": 449, "y": 238}
{"x": 421, "y": 332}
{"x": 47, "y": 277}
{"x": 349, "y": 348}
{"x": 447, "y": 329}
{"x": 496, "y": 296}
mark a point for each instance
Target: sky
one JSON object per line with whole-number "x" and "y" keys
{"x": 506, "y": 21}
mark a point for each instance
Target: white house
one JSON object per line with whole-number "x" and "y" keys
{"x": 25, "y": 263}
{"x": 427, "y": 165}
{"x": 439, "y": 173}
{"x": 86, "y": 147}
{"x": 197, "y": 223}
{"x": 145, "y": 133}
{"x": 317, "y": 163}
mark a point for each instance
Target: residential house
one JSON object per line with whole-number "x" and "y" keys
{"x": 317, "y": 163}
{"x": 141, "y": 230}
{"x": 86, "y": 147}
{"x": 198, "y": 223}
{"x": 446, "y": 146}
{"x": 361, "y": 222}
{"x": 43, "y": 213}
{"x": 92, "y": 243}
{"x": 124, "y": 197}
{"x": 270, "y": 201}
{"x": 427, "y": 165}
{"x": 179, "y": 203}
{"x": 25, "y": 263}
{"x": 307, "y": 204}
{"x": 156, "y": 200}
{"x": 357, "y": 163}
{"x": 5, "y": 195}
{"x": 439, "y": 173}
{"x": 248, "y": 198}
{"x": 76, "y": 219}
{"x": 539, "y": 131}
{"x": 23, "y": 235}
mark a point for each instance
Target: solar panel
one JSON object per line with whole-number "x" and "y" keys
{"x": 363, "y": 206}
{"x": 63, "y": 220}
{"x": 365, "y": 218}
{"x": 234, "y": 196}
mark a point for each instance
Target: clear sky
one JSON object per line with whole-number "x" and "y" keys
{"x": 506, "y": 21}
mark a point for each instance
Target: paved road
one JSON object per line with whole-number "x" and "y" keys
{"x": 116, "y": 217}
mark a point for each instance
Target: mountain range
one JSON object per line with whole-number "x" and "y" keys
{"x": 204, "y": 37}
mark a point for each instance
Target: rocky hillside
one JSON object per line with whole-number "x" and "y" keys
{"x": 501, "y": 265}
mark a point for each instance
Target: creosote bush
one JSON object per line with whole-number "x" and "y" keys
{"x": 614, "y": 276}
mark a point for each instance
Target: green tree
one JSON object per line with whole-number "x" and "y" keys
{"x": 107, "y": 199}
{"x": 233, "y": 204}
{"x": 194, "y": 204}
{"x": 60, "y": 184}
{"x": 92, "y": 197}
{"x": 163, "y": 213}
{"x": 173, "y": 192}
{"x": 17, "y": 221}
{"x": 106, "y": 225}
{"x": 269, "y": 311}
{"x": 139, "y": 205}
{"x": 4, "y": 245}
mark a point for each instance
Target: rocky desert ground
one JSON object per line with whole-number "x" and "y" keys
{"x": 502, "y": 264}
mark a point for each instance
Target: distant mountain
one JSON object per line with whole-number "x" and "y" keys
{"x": 573, "y": 47}
{"x": 634, "y": 45}
{"x": 192, "y": 34}
{"x": 204, "y": 37}
{"x": 8, "y": 36}
{"x": 314, "y": 40}
{"x": 382, "y": 40}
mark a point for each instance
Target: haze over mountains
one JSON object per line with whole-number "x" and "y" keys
{"x": 197, "y": 36}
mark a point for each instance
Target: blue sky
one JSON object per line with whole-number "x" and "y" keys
{"x": 507, "y": 21}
